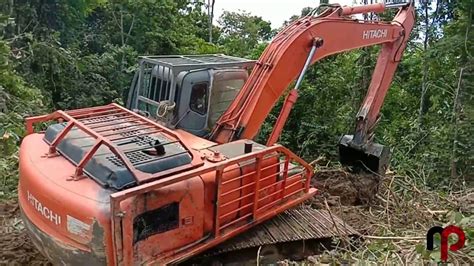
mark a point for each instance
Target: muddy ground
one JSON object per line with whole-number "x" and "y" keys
{"x": 16, "y": 247}
{"x": 344, "y": 193}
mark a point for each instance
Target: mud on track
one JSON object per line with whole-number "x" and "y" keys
{"x": 16, "y": 247}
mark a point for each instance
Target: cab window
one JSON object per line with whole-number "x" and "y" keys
{"x": 223, "y": 93}
{"x": 199, "y": 96}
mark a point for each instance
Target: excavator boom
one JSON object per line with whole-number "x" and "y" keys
{"x": 333, "y": 31}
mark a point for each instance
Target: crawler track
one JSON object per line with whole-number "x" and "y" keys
{"x": 303, "y": 223}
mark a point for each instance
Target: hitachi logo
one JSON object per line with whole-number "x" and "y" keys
{"x": 45, "y": 211}
{"x": 374, "y": 34}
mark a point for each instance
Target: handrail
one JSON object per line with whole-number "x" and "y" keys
{"x": 75, "y": 119}
{"x": 156, "y": 184}
{"x": 274, "y": 192}
{"x": 221, "y": 230}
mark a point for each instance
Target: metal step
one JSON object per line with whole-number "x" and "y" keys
{"x": 301, "y": 223}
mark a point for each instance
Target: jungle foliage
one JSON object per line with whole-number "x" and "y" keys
{"x": 76, "y": 53}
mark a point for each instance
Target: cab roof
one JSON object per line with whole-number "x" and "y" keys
{"x": 178, "y": 63}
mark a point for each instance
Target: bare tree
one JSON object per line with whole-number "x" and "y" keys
{"x": 124, "y": 33}
{"x": 426, "y": 40}
{"x": 210, "y": 14}
{"x": 456, "y": 108}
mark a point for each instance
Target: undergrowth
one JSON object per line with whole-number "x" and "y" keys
{"x": 393, "y": 226}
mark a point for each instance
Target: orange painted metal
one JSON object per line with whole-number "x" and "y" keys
{"x": 107, "y": 138}
{"x": 227, "y": 222}
{"x": 281, "y": 120}
{"x": 46, "y": 181}
{"x": 178, "y": 257}
{"x": 284, "y": 58}
{"x": 217, "y": 199}
{"x": 352, "y": 10}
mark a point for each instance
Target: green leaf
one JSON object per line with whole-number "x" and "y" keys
{"x": 457, "y": 217}
{"x": 436, "y": 256}
{"x": 467, "y": 221}
{"x": 420, "y": 248}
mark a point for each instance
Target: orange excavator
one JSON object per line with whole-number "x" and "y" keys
{"x": 176, "y": 172}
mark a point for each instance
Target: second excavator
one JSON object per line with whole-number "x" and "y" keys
{"x": 177, "y": 172}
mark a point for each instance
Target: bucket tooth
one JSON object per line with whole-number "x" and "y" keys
{"x": 373, "y": 156}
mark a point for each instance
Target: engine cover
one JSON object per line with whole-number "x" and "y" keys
{"x": 106, "y": 168}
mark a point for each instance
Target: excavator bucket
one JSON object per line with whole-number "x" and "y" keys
{"x": 373, "y": 157}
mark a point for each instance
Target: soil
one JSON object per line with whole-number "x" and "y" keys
{"x": 339, "y": 187}
{"x": 345, "y": 193}
{"x": 16, "y": 247}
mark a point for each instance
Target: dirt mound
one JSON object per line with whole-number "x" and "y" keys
{"x": 339, "y": 187}
{"x": 15, "y": 245}
{"x": 347, "y": 194}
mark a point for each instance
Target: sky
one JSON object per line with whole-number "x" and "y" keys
{"x": 275, "y": 11}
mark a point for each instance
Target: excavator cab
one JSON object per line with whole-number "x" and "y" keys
{"x": 187, "y": 92}
{"x": 191, "y": 92}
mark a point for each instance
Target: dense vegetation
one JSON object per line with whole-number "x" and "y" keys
{"x": 76, "y": 53}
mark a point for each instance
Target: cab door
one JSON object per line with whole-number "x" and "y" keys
{"x": 193, "y": 94}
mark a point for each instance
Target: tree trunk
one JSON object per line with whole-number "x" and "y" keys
{"x": 424, "y": 79}
{"x": 10, "y": 8}
{"x": 454, "y": 173}
{"x": 210, "y": 14}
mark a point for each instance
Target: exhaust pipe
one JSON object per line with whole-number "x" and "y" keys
{"x": 371, "y": 157}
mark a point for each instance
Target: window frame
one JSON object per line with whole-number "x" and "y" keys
{"x": 206, "y": 98}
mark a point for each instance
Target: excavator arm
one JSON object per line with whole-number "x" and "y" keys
{"x": 305, "y": 42}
